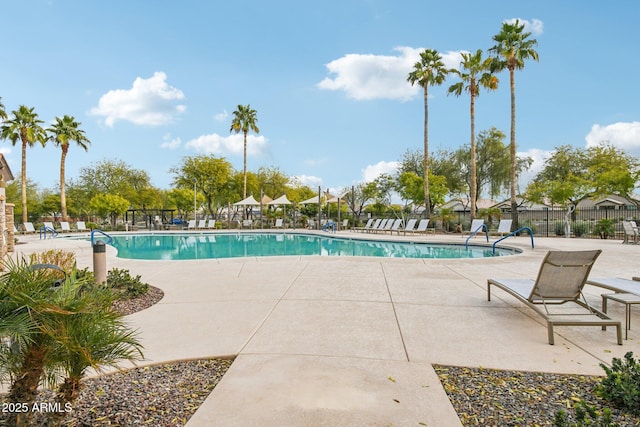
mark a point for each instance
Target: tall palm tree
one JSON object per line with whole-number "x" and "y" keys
{"x": 513, "y": 46}
{"x": 475, "y": 75}
{"x": 64, "y": 131}
{"x": 429, "y": 71}
{"x": 244, "y": 120}
{"x": 24, "y": 127}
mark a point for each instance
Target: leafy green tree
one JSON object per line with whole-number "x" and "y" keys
{"x": 573, "y": 174}
{"x": 475, "y": 75}
{"x": 213, "y": 177}
{"x": 109, "y": 205}
{"x": 272, "y": 181}
{"x": 14, "y": 191}
{"x": 445, "y": 164}
{"x": 24, "y": 127}
{"x": 118, "y": 178}
{"x": 429, "y": 71}
{"x": 244, "y": 120}
{"x": 62, "y": 133}
{"x": 182, "y": 200}
{"x": 513, "y": 47}
{"x": 493, "y": 163}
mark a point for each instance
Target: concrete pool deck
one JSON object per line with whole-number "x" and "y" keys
{"x": 340, "y": 341}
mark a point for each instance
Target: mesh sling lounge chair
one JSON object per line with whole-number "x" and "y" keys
{"x": 560, "y": 280}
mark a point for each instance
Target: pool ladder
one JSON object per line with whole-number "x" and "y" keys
{"x": 95, "y": 230}
{"x": 493, "y": 247}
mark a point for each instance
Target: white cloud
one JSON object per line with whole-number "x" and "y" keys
{"x": 221, "y": 117}
{"x": 624, "y": 135}
{"x": 170, "y": 143}
{"x": 232, "y": 144}
{"x": 371, "y": 172}
{"x": 150, "y": 102}
{"x": 309, "y": 180}
{"x": 5, "y": 150}
{"x": 316, "y": 162}
{"x": 368, "y": 76}
{"x": 539, "y": 157}
{"x": 535, "y": 26}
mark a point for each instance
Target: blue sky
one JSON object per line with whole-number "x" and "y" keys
{"x": 153, "y": 81}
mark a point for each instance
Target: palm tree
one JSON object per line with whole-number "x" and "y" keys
{"x": 56, "y": 330}
{"x": 474, "y": 75}
{"x": 64, "y": 131}
{"x": 24, "y": 127}
{"x": 3, "y": 112}
{"x": 243, "y": 121}
{"x": 513, "y": 46}
{"x": 429, "y": 71}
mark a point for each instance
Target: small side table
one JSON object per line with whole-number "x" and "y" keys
{"x": 628, "y": 300}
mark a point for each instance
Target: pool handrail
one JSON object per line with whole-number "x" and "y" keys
{"x": 44, "y": 229}
{"x": 96, "y": 230}
{"x": 513, "y": 233}
{"x": 474, "y": 232}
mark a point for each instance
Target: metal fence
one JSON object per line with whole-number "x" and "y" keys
{"x": 550, "y": 222}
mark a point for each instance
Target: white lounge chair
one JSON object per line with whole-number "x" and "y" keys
{"x": 345, "y": 224}
{"x": 396, "y": 226}
{"x": 365, "y": 227}
{"x": 422, "y": 226}
{"x": 27, "y": 227}
{"x": 560, "y": 280}
{"x": 381, "y": 225}
{"x": 211, "y": 224}
{"x": 80, "y": 226}
{"x": 191, "y": 225}
{"x": 411, "y": 225}
{"x": 630, "y": 232}
{"x": 476, "y": 226}
{"x": 247, "y": 223}
{"x": 48, "y": 226}
{"x": 375, "y": 225}
{"x": 64, "y": 227}
{"x": 202, "y": 224}
{"x": 504, "y": 227}
{"x": 279, "y": 223}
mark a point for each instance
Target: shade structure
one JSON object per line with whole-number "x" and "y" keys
{"x": 266, "y": 199}
{"x": 249, "y": 201}
{"x": 313, "y": 200}
{"x": 282, "y": 200}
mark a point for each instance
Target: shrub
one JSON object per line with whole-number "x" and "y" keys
{"x": 531, "y": 225}
{"x": 558, "y": 228}
{"x": 605, "y": 228}
{"x": 580, "y": 228}
{"x": 128, "y": 286}
{"x": 621, "y": 386}
{"x": 64, "y": 259}
{"x": 582, "y": 409}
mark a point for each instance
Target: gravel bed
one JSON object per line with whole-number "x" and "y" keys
{"x": 487, "y": 397}
{"x": 130, "y": 306}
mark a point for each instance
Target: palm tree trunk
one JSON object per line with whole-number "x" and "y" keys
{"x": 473, "y": 190}
{"x": 427, "y": 202}
{"x": 24, "y": 180}
{"x": 63, "y": 197}
{"x": 25, "y": 388}
{"x": 244, "y": 170}
{"x": 512, "y": 146}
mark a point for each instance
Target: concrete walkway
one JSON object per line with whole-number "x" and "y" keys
{"x": 339, "y": 341}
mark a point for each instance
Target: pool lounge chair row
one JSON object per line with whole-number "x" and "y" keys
{"x": 394, "y": 225}
{"x": 28, "y": 227}
{"x": 561, "y": 279}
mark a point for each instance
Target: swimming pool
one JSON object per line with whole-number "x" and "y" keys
{"x": 235, "y": 245}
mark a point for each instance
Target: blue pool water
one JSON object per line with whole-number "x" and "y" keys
{"x": 233, "y": 245}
